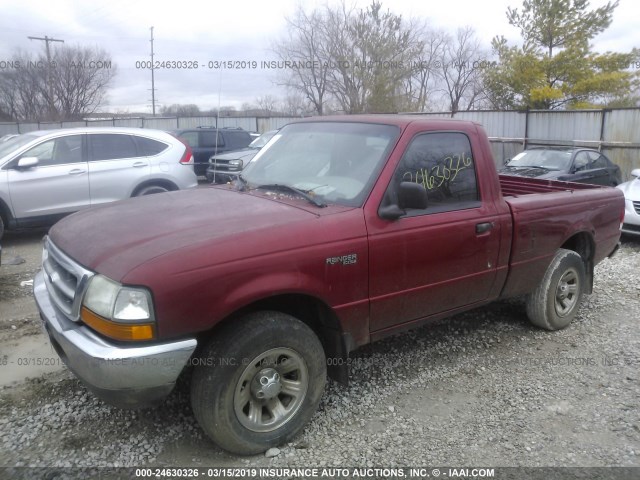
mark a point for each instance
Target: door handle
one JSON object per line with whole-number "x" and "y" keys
{"x": 483, "y": 227}
{"x": 77, "y": 171}
{"x": 140, "y": 164}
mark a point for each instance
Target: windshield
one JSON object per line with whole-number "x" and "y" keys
{"x": 262, "y": 140}
{"x": 15, "y": 143}
{"x": 549, "y": 159}
{"x": 337, "y": 162}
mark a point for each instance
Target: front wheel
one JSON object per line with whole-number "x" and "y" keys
{"x": 259, "y": 382}
{"x": 555, "y": 302}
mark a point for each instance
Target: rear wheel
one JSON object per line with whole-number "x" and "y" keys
{"x": 258, "y": 383}
{"x": 555, "y": 302}
{"x": 151, "y": 189}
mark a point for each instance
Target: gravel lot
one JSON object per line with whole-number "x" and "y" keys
{"x": 481, "y": 389}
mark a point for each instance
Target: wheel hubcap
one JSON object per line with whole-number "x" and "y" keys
{"x": 567, "y": 293}
{"x": 266, "y": 384}
{"x": 271, "y": 389}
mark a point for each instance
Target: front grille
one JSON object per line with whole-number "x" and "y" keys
{"x": 66, "y": 280}
{"x": 223, "y": 166}
{"x": 636, "y": 206}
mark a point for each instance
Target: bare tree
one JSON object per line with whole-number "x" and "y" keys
{"x": 302, "y": 57}
{"x": 180, "y": 110}
{"x": 72, "y": 85}
{"x": 426, "y": 71}
{"x": 296, "y": 104}
{"x": 79, "y": 80}
{"x": 268, "y": 103}
{"x": 462, "y": 63}
{"x": 355, "y": 60}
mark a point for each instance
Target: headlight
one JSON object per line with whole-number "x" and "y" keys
{"x": 122, "y": 313}
{"x": 235, "y": 164}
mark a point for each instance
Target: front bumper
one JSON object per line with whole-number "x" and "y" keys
{"x": 125, "y": 376}
{"x": 216, "y": 176}
{"x": 631, "y": 224}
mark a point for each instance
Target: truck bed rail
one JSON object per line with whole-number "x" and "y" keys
{"x": 513, "y": 186}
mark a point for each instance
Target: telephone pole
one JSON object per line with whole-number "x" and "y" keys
{"x": 46, "y": 40}
{"x": 153, "y": 87}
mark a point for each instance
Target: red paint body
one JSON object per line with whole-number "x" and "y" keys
{"x": 208, "y": 253}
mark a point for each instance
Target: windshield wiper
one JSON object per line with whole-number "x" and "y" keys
{"x": 302, "y": 193}
{"x": 528, "y": 166}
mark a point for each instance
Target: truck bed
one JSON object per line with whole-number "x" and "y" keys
{"x": 546, "y": 214}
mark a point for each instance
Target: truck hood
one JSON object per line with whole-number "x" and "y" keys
{"x": 116, "y": 238}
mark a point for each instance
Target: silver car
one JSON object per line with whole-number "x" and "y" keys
{"x": 46, "y": 175}
{"x": 631, "y": 190}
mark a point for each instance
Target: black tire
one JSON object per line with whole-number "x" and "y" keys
{"x": 151, "y": 189}
{"x": 555, "y": 302}
{"x": 1, "y": 227}
{"x": 239, "y": 389}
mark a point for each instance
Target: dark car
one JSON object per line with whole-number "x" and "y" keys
{"x": 224, "y": 167}
{"x": 208, "y": 141}
{"x": 570, "y": 164}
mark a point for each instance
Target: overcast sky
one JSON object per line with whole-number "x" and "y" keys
{"x": 236, "y": 30}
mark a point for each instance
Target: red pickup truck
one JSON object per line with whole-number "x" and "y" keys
{"x": 343, "y": 230}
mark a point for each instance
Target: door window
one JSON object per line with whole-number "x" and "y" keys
{"x": 443, "y": 164}
{"x": 191, "y": 138}
{"x": 112, "y": 146}
{"x": 211, "y": 139}
{"x": 600, "y": 162}
{"x": 59, "y": 151}
{"x": 148, "y": 147}
{"x": 581, "y": 162}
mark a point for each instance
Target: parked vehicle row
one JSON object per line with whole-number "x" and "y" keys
{"x": 46, "y": 175}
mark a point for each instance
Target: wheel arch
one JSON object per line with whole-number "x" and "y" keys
{"x": 155, "y": 181}
{"x": 308, "y": 309}
{"x": 6, "y": 215}
{"x": 584, "y": 245}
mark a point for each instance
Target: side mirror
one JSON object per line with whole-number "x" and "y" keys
{"x": 635, "y": 172}
{"x": 410, "y": 195}
{"x": 27, "y": 162}
{"x": 506, "y": 162}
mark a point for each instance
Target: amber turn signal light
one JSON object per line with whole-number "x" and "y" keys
{"x": 127, "y": 332}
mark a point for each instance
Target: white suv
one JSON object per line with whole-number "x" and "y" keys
{"x": 46, "y": 175}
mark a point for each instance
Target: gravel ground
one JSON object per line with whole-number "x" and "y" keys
{"x": 481, "y": 389}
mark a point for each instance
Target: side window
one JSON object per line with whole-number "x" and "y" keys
{"x": 60, "y": 151}
{"x": 238, "y": 139}
{"x": 599, "y": 162}
{"x": 208, "y": 139}
{"x": 148, "y": 147}
{"x": 444, "y": 165}
{"x": 581, "y": 162}
{"x": 191, "y": 138}
{"x": 111, "y": 146}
